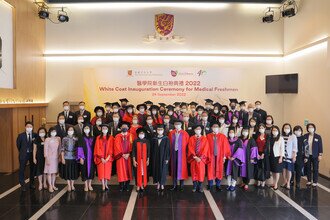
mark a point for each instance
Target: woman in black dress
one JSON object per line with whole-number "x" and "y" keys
{"x": 38, "y": 157}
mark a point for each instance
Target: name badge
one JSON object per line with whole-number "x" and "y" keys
{"x": 42, "y": 143}
{"x": 70, "y": 116}
{"x": 316, "y": 140}
{"x": 189, "y": 128}
{"x": 207, "y": 128}
{"x": 85, "y": 116}
{"x": 118, "y": 129}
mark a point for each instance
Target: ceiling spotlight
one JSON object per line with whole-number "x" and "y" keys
{"x": 269, "y": 16}
{"x": 43, "y": 13}
{"x": 290, "y": 12}
{"x": 62, "y": 16}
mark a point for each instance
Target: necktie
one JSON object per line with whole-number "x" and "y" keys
{"x": 29, "y": 143}
{"x": 63, "y": 129}
{"x": 198, "y": 142}
{"x": 215, "y": 145}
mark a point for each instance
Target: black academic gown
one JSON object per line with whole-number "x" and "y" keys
{"x": 262, "y": 115}
{"x": 161, "y": 153}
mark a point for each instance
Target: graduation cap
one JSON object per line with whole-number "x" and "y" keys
{"x": 217, "y": 104}
{"x": 129, "y": 106}
{"x": 177, "y": 121}
{"x": 141, "y": 105}
{"x": 125, "y": 123}
{"x": 176, "y": 103}
{"x": 115, "y": 104}
{"x": 197, "y": 126}
{"x": 233, "y": 101}
{"x": 209, "y": 101}
{"x": 183, "y": 104}
{"x": 139, "y": 130}
{"x": 193, "y": 103}
{"x": 107, "y": 104}
{"x": 123, "y": 100}
{"x": 242, "y": 103}
{"x": 154, "y": 107}
{"x": 257, "y": 103}
{"x": 162, "y": 104}
{"x": 148, "y": 102}
{"x": 200, "y": 107}
{"x": 97, "y": 108}
{"x": 170, "y": 107}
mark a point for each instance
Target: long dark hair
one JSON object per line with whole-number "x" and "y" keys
{"x": 50, "y": 131}
{"x": 41, "y": 128}
{"x": 279, "y": 133}
{"x": 283, "y": 129}
{"x": 90, "y": 131}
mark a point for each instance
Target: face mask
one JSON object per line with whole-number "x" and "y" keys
{"x": 105, "y": 131}
{"x": 193, "y": 109}
{"x": 86, "y": 131}
{"x": 98, "y": 122}
{"x": 198, "y": 132}
{"x": 232, "y": 107}
{"x": 287, "y": 131}
{"x": 81, "y": 107}
{"x": 208, "y": 106}
{"x": 200, "y": 112}
{"x": 245, "y": 133}
{"x": 141, "y": 110}
{"x": 184, "y": 110}
{"x": 251, "y": 110}
{"x": 115, "y": 110}
{"x": 135, "y": 121}
{"x": 178, "y": 127}
{"x": 130, "y": 110}
{"x": 269, "y": 122}
{"x": 124, "y": 130}
{"x": 223, "y": 111}
{"x": 170, "y": 113}
{"x": 53, "y": 134}
{"x": 297, "y": 133}
{"x": 108, "y": 109}
{"x": 42, "y": 135}
{"x": 66, "y": 108}
{"x": 61, "y": 121}
{"x": 222, "y": 121}
{"x": 215, "y": 130}
{"x": 275, "y": 133}
{"x": 186, "y": 118}
{"x": 204, "y": 118}
{"x": 141, "y": 136}
{"x": 231, "y": 135}
{"x": 177, "y": 108}
{"x": 216, "y": 111}
{"x": 261, "y": 130}
{"x": 28, "y": 129}
{"x": 70, "y": 133}
{"x": 81, "y": 121}
{"x": 243, "y": 108}
{"x": 115, "y": 119}
{"x": 162, "y": 112}
{"x": 154, "y": 112}
{"x": 253, "y": 124}
{"x": 166, "y": 121}
{"x": 258, "y": 107}
{"x": 149, "y": 122}
{"x": 235, "y": 121}
{"x": 99, "y": 114}
{"x": 311, "y": 130}
{"x": 160, "y": 132}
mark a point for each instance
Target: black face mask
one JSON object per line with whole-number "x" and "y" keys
{"x": 223, "y": 111}
{"x": 232, "y": 107}
{"x": 124, "y": 130}
{"x": 162, "y": 112}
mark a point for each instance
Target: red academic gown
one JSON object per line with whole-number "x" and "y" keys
{"x": 124, "y": 167}
{"x": 93, "y": 121}
{"x": 182, "y": 153}
{"x": 215, "y": 167}
{"x": 103, "y": 148}
{"x": 141, "y": 155}
{"x": 128, "y": 117}
{"x": 157, "y": 120}
{"x": 198, "y": 168}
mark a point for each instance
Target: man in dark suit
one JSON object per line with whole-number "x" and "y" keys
{"x": 262, "y": 113}
{"x": 82, "y": 111}
{"x": 68, "y": 115}
{"x": 187, "y": 125}
{"x": 206, "y": 124}
{"x": 167, "y": 125}
{"x": 61, "y": 127}
{"x": 114, "y": 125}
{"x": 24, "y": 145}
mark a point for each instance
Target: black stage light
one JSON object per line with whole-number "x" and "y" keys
{"x": 43, "y": 13}
{"x": 268, "y": 18}
{"x": 288, "y": 12}
{"x": 62, "y": 16}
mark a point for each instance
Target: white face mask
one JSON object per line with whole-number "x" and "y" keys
{"x": 177, "y": 108}
{"x": 192, "y": 109}
{"x": 166, "y": 121}
{"x": 87, "y": 131}
{"x": 105, "y": 131}
{"x": 116, "y": 119}
{"x": 245, "y": 133}
{"x": 61, "y": 121}
{"x": 66, "y": 108}
{"x": 311, "y": 130}
{"x": 252, "y": 124}
{"x": 200, "y": 112}
{"x": 269, "y": 122}
{"x": 149, "y": 122}
{"x": 204, "y": 118}
{"x": 81, "y": 121}
{"x": 222, "y": 121}
{"x": 258, "y": 106}
{"x": 170, "y": 113}
{"x": 135, "y": 121}
{"x": 261, "y": 130}
{"x": 142, "y": 110}
{"x": 275, "y": 133}
{"x": 42, "y": 134}
{"x": 99, "y": 114}
{"x": 141, "y": 136}
{"x": 231, "y": 135}
{"x": 81, "y": 107}
{"x": 251, "y": 110}
{"x": 184, "y": 110}
{"x": 216, "y": 111}
{"x": 297, "y": 133}
{"x": 208, "y": 106}
{"x": 53, "y": 133}
{"x": 28, "y": 129}
{"x": 154, "y": 112}
{"x": 115, "y": 110}
{"x": 287, "y": 130}
{"x": 130, "y": 110}
{"x": 98, "y": 122}
{"x": 178, "y": 127}
{"x": 186, "y": 119}
{"x": 235, "y": 121}
{"x": 215, "y": 130}
{"x": 198, "y": 132}
{"x": 160, "y": 132}
{"x": 70, "y": 133}
{"x": 108, "y": 109}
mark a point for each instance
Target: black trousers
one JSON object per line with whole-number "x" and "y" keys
{"x": 297, "y": 173}
{"x": 312, "y": 162}
{"x": 22, "y": 165}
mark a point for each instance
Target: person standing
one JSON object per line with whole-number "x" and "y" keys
{"x": 39, "y": 159}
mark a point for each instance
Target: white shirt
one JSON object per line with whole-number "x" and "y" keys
{"x": 278, "y": 148}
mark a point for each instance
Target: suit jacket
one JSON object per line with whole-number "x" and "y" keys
{"x": 168, "y": 128}
{"x": 150, "y": 132}
{"x": 114, "y": 130}
{"x": 207, "y": 129}
{"x": 23, "y": 145}
{"x": 317, "y": 146}
{"x": 262, "y": 115}
{"x": 86, "y": 114}
{"x": 188, "y": 128}
{"x": 59, "y": 131}
{"x": 78, "y": 131}
{"x": 71, "y": 119}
